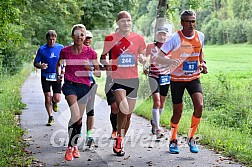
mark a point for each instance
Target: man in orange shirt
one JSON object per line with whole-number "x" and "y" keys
{"x": 186, "y": 63}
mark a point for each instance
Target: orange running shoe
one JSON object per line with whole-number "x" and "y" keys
{"x": 118, "y": 147}
{"x": 114, "y": 135}
{"x": 69, "y": 154}
{"x": 76, "y": 153}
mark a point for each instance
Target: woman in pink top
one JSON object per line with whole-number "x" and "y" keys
{"x": 76, "y": 61}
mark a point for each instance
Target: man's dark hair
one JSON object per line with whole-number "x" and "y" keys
{"x": 51, "y": 33}
{"x": 187, "y": 13}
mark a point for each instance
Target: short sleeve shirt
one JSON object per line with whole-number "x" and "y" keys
{"x": 50, "y": 56}
{"x": 124, "y": 53}
{"x": 75, "y": 70}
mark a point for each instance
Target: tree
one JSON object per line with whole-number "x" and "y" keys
{"x": 40, "y": 16}
{"x": 10, "y": 36}
{"x": 161, "y": 19}
{"x": 101, "y": 14}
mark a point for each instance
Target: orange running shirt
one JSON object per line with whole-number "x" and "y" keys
{"x": 124, "y": 53}
{"x": 188, "y": 50}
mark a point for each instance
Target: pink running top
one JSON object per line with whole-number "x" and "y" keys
{"x": 75, "y": 70}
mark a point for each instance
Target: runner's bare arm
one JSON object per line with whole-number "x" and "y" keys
{"x": 96, "y": 70}
{"x": 161, "y": 58}
{"x": 203, "y": 67}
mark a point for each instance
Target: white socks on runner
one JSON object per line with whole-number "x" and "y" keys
{"x": 155, "y": 117}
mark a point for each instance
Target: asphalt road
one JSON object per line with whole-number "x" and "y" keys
{"x": 48, "y": 143}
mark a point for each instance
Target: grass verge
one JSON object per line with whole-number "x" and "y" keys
{"x": 11, "y": 144}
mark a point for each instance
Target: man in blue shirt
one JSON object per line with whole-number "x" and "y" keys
{"x": 46, "y": 59}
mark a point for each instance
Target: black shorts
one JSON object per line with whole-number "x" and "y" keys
{"x": 178, "y": 88}
{"x": 46, "y": 85}
{"x": 157, "y": 88}
{"x": 108, "y": 91}
{"x": 129, "y": 85}
{"x": 80, "y": 90}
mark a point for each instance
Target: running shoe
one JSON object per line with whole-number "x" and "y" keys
{"x": 173, "y": 147}
{"x": 50, "y": 121}
{"x": 69, "y": 154}
{"x": 153, "y": 127}
{"x": 55, "y": 106}
{"x": 89, "y": 141}
{"x": 192, "y": 145}
{"x": 159, "y": 134}
{"x": 114, "y": 135}
{"x": 76, "y": 153}
{"x": 118, "y": 146}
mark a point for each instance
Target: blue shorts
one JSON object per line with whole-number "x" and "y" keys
{"x": 77, "y": 89}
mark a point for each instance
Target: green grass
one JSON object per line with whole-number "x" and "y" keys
{"x": 228, "y": 58}
{"x": 11, "y": 144}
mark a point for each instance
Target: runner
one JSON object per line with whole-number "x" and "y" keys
{"x": 187, "y": 61}
{"x": 77, "y": 83}
{"x": 111, "y": 99}
{"x": 113, "y": 106}
{"x": 46, "y": 59}
{"x": 124, "y": 47}
{"x": 159, "y": 80}
{"x": 90, "y": 105}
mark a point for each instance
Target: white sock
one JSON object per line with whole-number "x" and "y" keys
{"x": 155, "y": 117}
{"x": 160, "y": 111}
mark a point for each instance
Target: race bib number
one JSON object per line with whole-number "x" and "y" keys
{"x": 51, "y": 77}
{"x": 190, "y": 67}
{"x": 126, "y": 60}
{"x": 164, "y": 79}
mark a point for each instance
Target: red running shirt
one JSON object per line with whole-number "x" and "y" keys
{"x": 124, "y": 53}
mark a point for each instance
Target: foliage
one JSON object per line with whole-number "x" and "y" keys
{"x": 145, "y": 21}
{"x": 51, "y": 14}
{"x": 102, "y": 14}
{"x": 12, "y": 153}
{"x": 10, "y": 36}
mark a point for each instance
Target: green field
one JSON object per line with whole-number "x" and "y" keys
{"x": 228, "y": 58}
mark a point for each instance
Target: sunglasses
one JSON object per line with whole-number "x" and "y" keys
{"x": 78, "y": 33}
{"x": 189, "y": 21}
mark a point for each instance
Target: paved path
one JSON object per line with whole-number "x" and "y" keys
{"x": 48, "y": 144}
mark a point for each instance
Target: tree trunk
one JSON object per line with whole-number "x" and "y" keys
{"x": 161, "y": 19}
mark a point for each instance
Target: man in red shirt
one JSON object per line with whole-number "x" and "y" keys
{"x": 123, "y": 49}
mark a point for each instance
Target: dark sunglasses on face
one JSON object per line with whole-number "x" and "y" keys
{"x": 189, "y": 21}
